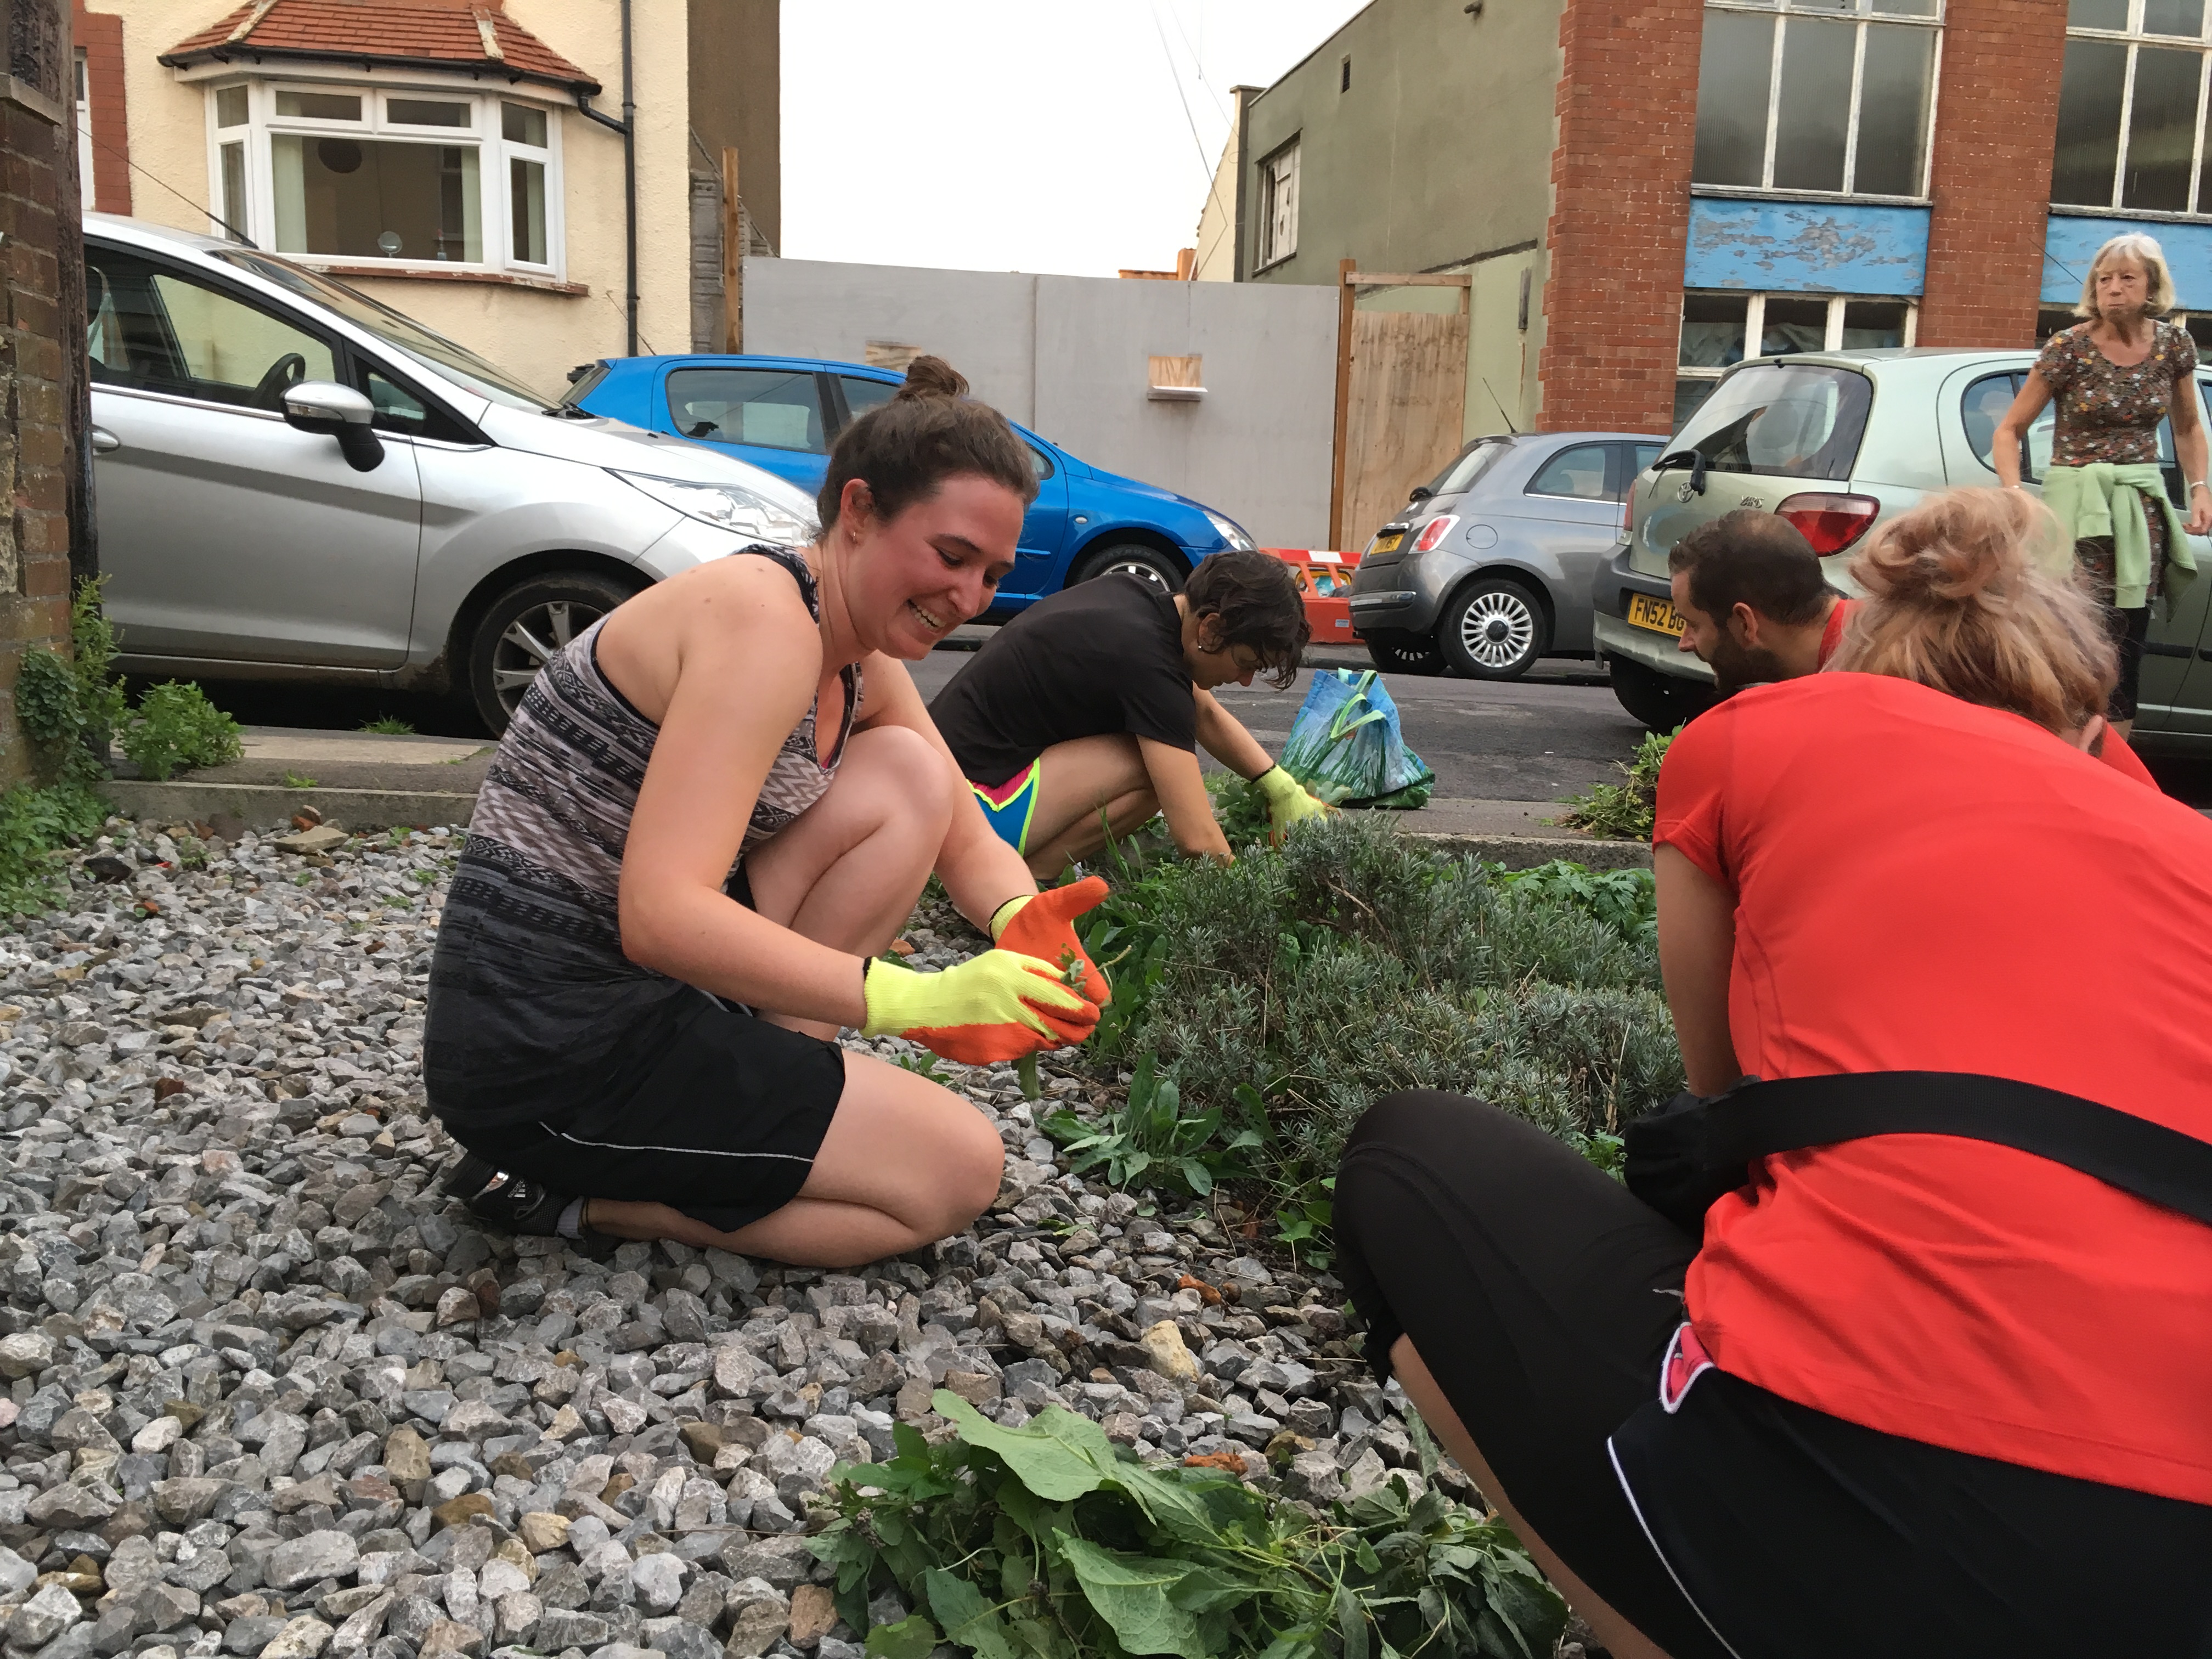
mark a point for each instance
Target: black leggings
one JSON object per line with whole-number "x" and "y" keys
{"x": 1541, "y": 1295}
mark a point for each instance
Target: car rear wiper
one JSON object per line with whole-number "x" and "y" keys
{"x": 1693, "y": 459}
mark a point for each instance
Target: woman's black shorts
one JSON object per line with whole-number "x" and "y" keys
{"x": 688, "y": 1101}
{"x": 1541, "y": 1295}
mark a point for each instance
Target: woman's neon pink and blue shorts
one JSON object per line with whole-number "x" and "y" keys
{"x": 1010, "y": 807}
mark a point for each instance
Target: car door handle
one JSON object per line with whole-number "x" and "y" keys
{"x": 103, "y": 441}
{"x": 2152, "y": 649}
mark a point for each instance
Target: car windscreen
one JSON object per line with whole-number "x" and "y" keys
{"x": 1783, "y": 420}
{"x": 402, "y": 333}
{"x": 1471, "y": 464}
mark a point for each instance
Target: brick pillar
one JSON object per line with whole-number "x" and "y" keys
{"x": 1996, "y": 119}
{"x": 34, "y": 377}
{"x": 1626, "y": 106}
{"x": 100, "y": 37}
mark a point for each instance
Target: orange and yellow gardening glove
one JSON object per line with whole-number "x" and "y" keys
{"x": 1288, "y": 803}
{"x": 1043, "y": 925}
{"x": 999, "y": 1006}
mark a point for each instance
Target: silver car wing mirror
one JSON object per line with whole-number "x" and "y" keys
{"x": 331, "y": 410}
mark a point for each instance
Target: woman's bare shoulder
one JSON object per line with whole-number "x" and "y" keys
{"x": 740, "y": 610}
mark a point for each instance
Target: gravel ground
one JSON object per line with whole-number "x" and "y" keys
{"x": 267, "y": 1394}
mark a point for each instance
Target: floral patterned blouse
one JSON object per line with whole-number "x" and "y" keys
{"x": 2105, "y": 412}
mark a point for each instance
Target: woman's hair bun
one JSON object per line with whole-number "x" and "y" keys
{"x": 933, "y": 377}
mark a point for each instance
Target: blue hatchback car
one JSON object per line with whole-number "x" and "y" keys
{"x": 784, "y": 413}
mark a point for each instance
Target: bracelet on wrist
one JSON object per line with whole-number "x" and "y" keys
{"x": 2199, "y": 484}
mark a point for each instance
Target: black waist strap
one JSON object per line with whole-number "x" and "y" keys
{"x": 1680, "y": 1160}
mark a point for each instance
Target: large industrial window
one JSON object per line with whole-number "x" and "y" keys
{"x": 1721, "y": 328}
{"x": 2132, "y": 107}
{"x": 1830, "y": 96}
{"x": 385, "y": 177}
{"x": 1279, "y": 205}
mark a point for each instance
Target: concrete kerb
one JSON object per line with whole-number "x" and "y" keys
{"x": 263, "y": 806}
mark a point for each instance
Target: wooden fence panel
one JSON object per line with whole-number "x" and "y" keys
{"x": 1405, "y": 404}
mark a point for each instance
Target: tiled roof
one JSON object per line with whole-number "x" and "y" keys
{"x": 418, "y": 33}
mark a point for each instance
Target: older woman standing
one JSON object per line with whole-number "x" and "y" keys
{"x": 2114, "y": 376}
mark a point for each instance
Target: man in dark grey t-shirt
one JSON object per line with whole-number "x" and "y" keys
{"x": 1099, "y": 698}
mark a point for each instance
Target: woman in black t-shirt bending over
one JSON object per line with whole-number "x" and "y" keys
{"x": 1099, "y": 698}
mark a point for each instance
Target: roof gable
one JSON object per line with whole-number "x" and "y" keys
{"x": 475, "y": 36}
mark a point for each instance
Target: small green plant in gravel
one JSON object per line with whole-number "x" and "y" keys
{"x": 1623, "y": 811}
{"x": 298, "y": 780}
{"x": 389, "y": 726}
{"x": 175, "y": 725}
{"x": 36, "y": 825}
{"x": 1153, "y": 1141}
{"x": 1047, "y": 1542}
{"x": 70, "y": 707}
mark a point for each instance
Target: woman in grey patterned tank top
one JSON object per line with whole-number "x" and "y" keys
{"x": 711, "y": 816}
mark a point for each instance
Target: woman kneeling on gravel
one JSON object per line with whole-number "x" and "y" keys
{"x": 713, "y": 810}
{"x": 1921, "y": 1385}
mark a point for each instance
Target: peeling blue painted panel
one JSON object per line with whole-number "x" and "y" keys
{"x": 1809, "y": 247}
{"x": 2070, "y": 242}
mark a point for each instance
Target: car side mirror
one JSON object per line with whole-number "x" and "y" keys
{"x": 331, "y": 410}
{"x": 1418, "y": 493}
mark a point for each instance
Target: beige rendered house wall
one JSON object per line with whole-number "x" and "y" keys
{"x": 536, "y": 334}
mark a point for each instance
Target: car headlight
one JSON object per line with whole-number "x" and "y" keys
{"x": 727, "y": 507}
{"x": 1228, "y": 529}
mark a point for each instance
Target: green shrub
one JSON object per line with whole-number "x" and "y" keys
{"x": 1624, "y": 812}
{"x": 1285, "y": 991}
{"x": 69, "y": 707}
{"x": 35, "y": 824}
{"x": 1046, "y": 1542}
{"x": 175, "y": 725}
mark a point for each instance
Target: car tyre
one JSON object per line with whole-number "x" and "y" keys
{"x": 1136, "y": 559}
{"x": 1494, "y": 629}
{"x": 525, "y": 624}
{"x": 1660, "y": 702}
{"x": 1404, "y": 653}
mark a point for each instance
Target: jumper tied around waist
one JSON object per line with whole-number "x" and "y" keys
{"x": 2108, "y": 498}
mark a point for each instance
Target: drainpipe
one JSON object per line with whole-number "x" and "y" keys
{"x": 627, "y": 127}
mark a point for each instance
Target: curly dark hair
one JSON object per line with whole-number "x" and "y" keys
{"x": 932, "y": 430}
{"x": 1259, "y": 606}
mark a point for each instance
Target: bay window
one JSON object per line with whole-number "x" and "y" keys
{"x": 1834, "y": 97}
{"x": 379, "y": 177}
{"x": 2132, "y": 107}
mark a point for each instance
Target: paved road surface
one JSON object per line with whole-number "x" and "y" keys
{"x": 1516, "y": 746}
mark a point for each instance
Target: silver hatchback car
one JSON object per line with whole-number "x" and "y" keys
{"x": 296, "y": 481}
{"x": 1836, "y": 442}
{"x": 1489, "y": 567}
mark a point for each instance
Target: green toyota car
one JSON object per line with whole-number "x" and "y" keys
{"x": 1836, "y": 442}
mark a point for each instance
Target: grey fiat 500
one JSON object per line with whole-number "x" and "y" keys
{"x": 1489, "y": 567}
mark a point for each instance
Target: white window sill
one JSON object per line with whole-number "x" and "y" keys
{"x": 1842, "y": 199}
{"x": 2070, "y": 210}
{"x": 439, "y": 273}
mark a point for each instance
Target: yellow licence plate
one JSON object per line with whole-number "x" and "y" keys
{"x": 1644, "y": 611}
{"x": 1386, "y": 543}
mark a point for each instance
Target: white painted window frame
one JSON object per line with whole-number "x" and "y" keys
{"x": 1272, "y": 174}
{"x": 2134, "y": 41}
{"x": 82, "y": 71}
{"x": 483, "y": 134}
{"x": 1754, "y": 322}
{"x": 1859, "y": 13}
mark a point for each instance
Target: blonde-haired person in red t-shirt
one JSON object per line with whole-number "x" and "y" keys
{"x": 1907, "y": 1395}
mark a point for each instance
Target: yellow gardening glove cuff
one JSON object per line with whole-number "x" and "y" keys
{"x": 999, "y": 1006}
{"x": 1288, "y": 803}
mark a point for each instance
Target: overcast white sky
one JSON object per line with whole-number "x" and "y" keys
{"x": 1018, "y": 135}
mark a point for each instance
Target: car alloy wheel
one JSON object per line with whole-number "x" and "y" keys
{"x": 514, "y": 635}
{"x": 528, "y": 642}
{"x": 1495, "y": 630}
{"x": 1146, "y": 564}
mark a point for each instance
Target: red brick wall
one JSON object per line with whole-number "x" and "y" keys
{"x": 1620, "y": 211}
{"x": 100, "y": 37}
{"x": 1997, "y": 117}
{"x": 34, "y": 538}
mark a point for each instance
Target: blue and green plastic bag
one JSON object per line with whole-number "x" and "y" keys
{"x": 1346, "y": 747}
